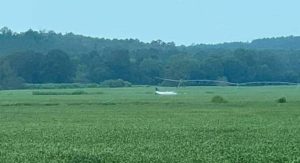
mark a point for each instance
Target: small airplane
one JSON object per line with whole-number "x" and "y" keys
{"x": 165, "y": 93}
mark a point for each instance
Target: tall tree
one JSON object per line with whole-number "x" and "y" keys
{"x": 27, "y": 65}
{"x": 149, "y": 69}
{"x": 118, "y": 62}
{"x": 8, "y": 78}
{"x": 58, "y": 67}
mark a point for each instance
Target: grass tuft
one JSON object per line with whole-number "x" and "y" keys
{"x": 78, "y": 158}
{"x": 218, "y": 99}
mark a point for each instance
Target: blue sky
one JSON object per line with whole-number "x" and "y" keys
{"x": 181, "y": 21}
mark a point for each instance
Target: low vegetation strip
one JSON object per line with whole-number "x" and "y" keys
{"x": 140, "y": 103}
{"x": 61, "y": 86}
{"x": 78, "y": 92}
{"x": 58, "y": 93}
{"x": 29, "y": 104}
{"x": 105, "y": 84}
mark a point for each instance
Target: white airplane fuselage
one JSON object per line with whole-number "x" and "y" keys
{"x": 168, "y": 93}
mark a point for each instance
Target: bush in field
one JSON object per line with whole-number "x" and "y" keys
{"x": 115, "y": 83}
{"x": 218, "y": 99}
{"x": 282, "y": 100}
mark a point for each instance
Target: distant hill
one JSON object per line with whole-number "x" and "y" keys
{"x": 276, "y": 43}
{"x": 287, "y": 43}
{"x": 42, "y": 41}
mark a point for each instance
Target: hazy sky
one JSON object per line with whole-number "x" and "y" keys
{"x": 181, "y": 21}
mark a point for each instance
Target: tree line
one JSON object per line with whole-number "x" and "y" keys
{"x": 98, "y": 60}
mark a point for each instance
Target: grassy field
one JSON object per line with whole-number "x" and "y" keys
{"x": 134, "y": 125}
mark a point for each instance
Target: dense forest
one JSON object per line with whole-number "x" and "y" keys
{"x": 47, "y": 57}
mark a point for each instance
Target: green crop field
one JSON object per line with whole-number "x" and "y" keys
{"x": 134, "y": 125}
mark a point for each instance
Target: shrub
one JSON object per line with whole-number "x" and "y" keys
{"x": 218, "y": 99}
{"x": 282, "y": 100}
{"x": 115, "y": 83}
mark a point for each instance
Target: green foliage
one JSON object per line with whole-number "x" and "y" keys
{"x": 148, "y": 69}
{"x": 8, "y": 78}
{"x": 115, "y": 83}
{"x": 218, "y": 99}
{"x": 90, "y": 60}
{"x": 28, "y": 65}
{"x": 281, "y": 100}
{"x": 181, "y": 67}
{"x": 57, "y": 67}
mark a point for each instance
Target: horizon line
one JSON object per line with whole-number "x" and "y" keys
{"x": 147, "y": 42}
